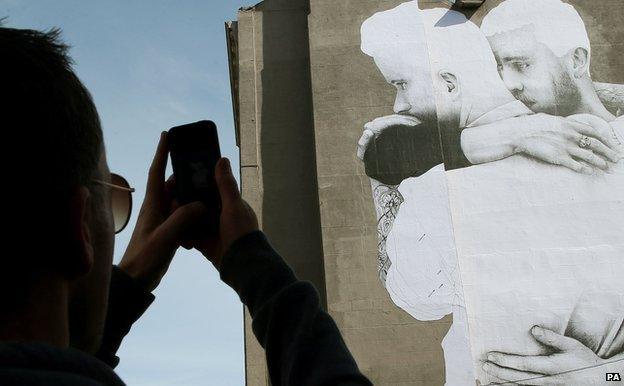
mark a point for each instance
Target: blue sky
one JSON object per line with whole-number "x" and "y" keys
{"x": 151, "y": 65}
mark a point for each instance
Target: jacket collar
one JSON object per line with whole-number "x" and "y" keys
{"x": 40, "y": 356}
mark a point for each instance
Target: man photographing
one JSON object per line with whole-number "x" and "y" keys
{"x": 64, "y": 311}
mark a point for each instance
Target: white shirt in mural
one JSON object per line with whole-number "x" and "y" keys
{"x": 424, "y": 277}
{"x": 544, "y": 244}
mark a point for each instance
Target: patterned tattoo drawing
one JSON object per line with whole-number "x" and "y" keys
{"x": 612, "y": 96}
{"x": 388, "y": 199}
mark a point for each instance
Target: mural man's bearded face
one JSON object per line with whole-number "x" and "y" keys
{"x": 414, "y": 92}
{"x": 533, "y": 73}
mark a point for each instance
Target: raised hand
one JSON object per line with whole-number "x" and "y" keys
{"x": 161, "y": 226}
{"x": 237, "y": 218}
{"x": 375, "y": 127}
{"x": 579, "y": 142}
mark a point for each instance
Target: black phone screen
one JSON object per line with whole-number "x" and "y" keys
{"x": 194, "y": 152}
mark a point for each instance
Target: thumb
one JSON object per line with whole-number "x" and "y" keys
{"x": 228, "y": 188}
{"x": 170, "y": 234}
{"x": 552, "y": 339}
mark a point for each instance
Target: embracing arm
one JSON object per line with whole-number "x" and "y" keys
{"x": 388, "y": 200}
{"x": 568, "y": 362}
{"x": 421, "y": 248}
{"x": 614, "y": 364}
{"x": 397, "y": 147}
{"x": 612, "y": 96}
{"x": 550, "y": 139}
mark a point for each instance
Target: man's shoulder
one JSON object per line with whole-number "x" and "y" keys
{"x": 618, "y": 127}
{"x": 415, "y": 184}
{"x": 43, "y": 364}
{"x": 619, "y": 121}
{"x": 36, "y": 377}
{"x": 507, "y": 110}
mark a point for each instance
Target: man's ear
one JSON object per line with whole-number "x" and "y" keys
{"x": 580, "y": 62}
{"x": 79, "y": 257}
{"x": 450, "y": 82}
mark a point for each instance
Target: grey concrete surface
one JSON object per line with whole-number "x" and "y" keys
{"x": 278, "y": 166}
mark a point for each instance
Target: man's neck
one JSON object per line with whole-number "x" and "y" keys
{"x": 481, "y": 106}
{"x": 43, "y": 319}
{"x": 595, "y": 107}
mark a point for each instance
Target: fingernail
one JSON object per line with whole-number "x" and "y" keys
{"x": 537, "y": 331}
{"x": 491, "y": 357}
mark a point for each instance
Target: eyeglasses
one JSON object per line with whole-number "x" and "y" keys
{"x": 121, "y": 200}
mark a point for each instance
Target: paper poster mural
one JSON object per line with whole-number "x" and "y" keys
{"x": 498, "y": 184}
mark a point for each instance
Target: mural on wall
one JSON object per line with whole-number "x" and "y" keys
{"x": 498, "y": 183}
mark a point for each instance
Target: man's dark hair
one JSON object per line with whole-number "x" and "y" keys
{"x": 48, "y": 106}
{"x": 52, "y": 140}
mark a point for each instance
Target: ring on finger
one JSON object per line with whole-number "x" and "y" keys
{"x": 584, "y": 142}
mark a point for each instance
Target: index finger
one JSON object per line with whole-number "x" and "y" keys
{"x": 513, "y": 376}
{"x": 226, "y": 183}
{"x": 589, "y": 119}
{"x": 363, "y": 142}
{"x": 156, "y": 175}
{"x": 555, "y": 340}
{"x": 530, "y": 363}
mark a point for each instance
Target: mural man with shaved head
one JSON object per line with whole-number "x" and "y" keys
{"x": 543, "y": 54}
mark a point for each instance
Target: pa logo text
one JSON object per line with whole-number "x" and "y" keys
{"x": 614, "y": 377}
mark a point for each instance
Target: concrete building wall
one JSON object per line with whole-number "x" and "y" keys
{"x": 279, "y": 179}
{"x": 278, "y": 166}
{"x": 391, "y": 347}
{"x": 251, "y": 182}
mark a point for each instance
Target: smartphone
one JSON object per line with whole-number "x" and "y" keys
{"x": 194, "y": 150}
